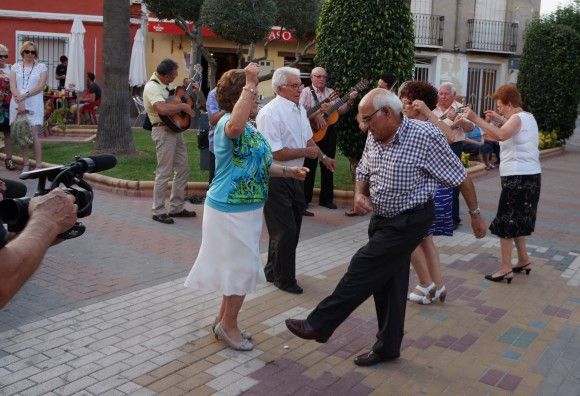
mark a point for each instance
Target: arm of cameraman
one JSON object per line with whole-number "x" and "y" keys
{"x": 50, "y": 215}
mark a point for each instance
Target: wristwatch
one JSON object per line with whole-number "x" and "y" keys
{"x": 475, "y": 212}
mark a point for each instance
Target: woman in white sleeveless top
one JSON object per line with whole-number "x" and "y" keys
{"x": 27, "y": 81}
{"x": 520, "y": 173}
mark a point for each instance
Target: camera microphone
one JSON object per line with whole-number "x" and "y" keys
{"x": 14, "y": 189}
{"x": 95, "y": 163}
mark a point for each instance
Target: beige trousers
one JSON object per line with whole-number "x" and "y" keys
{"x": 171, "y": 157}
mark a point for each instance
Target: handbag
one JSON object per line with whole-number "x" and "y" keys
{"x": 21, "y": 130}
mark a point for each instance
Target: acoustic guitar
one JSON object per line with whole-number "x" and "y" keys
{"x": 317, "y": 106}
{"x": 179, "y": 122}
{"x": 330, "y": 110}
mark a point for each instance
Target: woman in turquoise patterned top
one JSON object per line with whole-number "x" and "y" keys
{"x": 229, "y": 257}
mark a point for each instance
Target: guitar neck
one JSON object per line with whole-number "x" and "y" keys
{"x": 335, "y": 106}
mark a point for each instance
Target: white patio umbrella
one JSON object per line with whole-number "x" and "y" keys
{"x": 75, "y": 71}
{"x": 137, "y": 68}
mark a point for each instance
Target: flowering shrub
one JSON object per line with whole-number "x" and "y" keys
{"x": 465, "y": 159}
{"x": 547, "y": 140}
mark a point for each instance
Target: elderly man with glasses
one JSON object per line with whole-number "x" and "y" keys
{"x": 402, "y": 163}
{"x": 284, "y": 123}
{"x": 312, "y": 98}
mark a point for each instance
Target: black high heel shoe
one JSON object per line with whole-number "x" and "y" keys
{"x": 508, "y": 276}
{"x": 527, "y": 268}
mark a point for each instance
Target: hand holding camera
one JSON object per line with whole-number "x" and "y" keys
{"x": 16, "y": 212}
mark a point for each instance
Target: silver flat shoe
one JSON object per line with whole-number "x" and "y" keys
{"x": 244, "y": 345}
{"x": 245, "y": 333}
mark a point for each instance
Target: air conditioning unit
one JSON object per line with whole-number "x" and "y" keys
{"x": 265, "y": 67}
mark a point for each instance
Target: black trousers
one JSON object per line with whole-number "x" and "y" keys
{"x": 381, "y": 269}
{"x": 283, "y": 214}
{"x": 457, "y": 148}
{"x": 328, "y": 147}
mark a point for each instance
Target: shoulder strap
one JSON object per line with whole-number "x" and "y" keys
{"x": 314, "y": 95}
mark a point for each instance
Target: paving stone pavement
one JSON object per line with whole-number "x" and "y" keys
{"x": 108, "y": 313}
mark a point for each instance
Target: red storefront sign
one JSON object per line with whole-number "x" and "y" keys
{"x": 169, "y": 27}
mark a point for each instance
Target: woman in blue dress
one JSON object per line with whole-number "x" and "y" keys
{"x": 419, "y": 98}
{"x": 229, "y": 258}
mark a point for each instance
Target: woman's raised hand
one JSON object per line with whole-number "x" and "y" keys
{"x": 251, "y": 71}
{"x": 421, "y": 107}
{"x": 491, "y": 115}
{"x": 469, "y": 114}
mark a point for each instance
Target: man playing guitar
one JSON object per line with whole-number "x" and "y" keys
{"x": 310, "y": 98}
{"x": 170, "y": 146}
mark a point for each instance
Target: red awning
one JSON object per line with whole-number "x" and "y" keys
{"x": 169, "y": 27}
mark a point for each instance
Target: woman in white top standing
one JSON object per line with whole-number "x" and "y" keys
{"x": 27, "y": 81}
{"x": 520, "y": 173}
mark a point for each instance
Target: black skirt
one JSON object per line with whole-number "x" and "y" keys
{"x": 518, "y": 204}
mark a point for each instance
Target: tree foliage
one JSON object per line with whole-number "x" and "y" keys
{"x": 114, "y": 131}
{"x": 362, "y": 39}
{"x": 549, "y": 77}
{"x": 242, "y": 22}
{"x": 568, "y": 15}
{"x": 171, "y": 9}
{"x": 298, "y": 16}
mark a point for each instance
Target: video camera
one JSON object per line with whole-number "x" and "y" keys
{"x": 14, "y": 212}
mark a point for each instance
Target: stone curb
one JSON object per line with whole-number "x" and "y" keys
{"x": 145, "y": 188}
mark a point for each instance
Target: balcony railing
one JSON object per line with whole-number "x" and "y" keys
{"x": 492, "y": 36}
{"x": 428, "y": 30}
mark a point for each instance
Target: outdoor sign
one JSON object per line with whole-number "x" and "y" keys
{"x": 169, "y": 27}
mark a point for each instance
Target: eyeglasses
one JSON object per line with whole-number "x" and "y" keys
{"x": 4, "y": 56}
{"x": 294, "y": 86}
{"x": 368, "y": 119}
{"x": 320, "y": 76}
{"x": 33, "y": 52}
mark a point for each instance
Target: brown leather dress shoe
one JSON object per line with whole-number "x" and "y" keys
{"x": 301, "y": 328}
{"x": 370, "y": 359}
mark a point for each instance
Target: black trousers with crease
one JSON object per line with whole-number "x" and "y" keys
{"x": 283, "y": 214}
{"x": 379, "y": 269}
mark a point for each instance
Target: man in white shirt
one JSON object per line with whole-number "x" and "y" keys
{"x": 446, "y": 110}
{"x": 284, "y": 123}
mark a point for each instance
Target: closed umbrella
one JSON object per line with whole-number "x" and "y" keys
{"x": 137, "y": 68}
{"x": 75, "y": 71}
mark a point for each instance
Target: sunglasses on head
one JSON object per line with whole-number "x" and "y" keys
{"x": 4, "y": 56}
{"x": 33, "y": 52}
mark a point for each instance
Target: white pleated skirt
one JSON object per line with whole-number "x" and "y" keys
{"x": 229, "y": 257}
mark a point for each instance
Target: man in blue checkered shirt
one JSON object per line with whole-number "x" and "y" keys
{"x": 402, "y": 163}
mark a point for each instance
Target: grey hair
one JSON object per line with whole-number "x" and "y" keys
{"x": 166, "y": 67}
{"x": 3, "y": 48}
{"x": 450, "y": 86}
{"x": 280, "y": 76}
{"x": 386, "y": 98}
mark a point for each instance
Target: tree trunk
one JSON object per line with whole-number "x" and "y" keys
{"x": 114, "y": 132}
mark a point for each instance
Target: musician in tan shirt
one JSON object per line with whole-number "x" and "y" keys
{"x": 169, "y": 145}
{"x": 318, "y": 92}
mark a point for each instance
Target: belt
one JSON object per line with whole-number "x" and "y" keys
{"x": 158, "y": 124}
{"x": 421, "y": 206}
{"x": 416, "y": 208}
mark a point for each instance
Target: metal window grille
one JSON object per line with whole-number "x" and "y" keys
{"x": 481, "y": 84}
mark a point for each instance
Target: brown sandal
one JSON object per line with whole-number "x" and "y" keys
{"x": 9, "y": 164}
